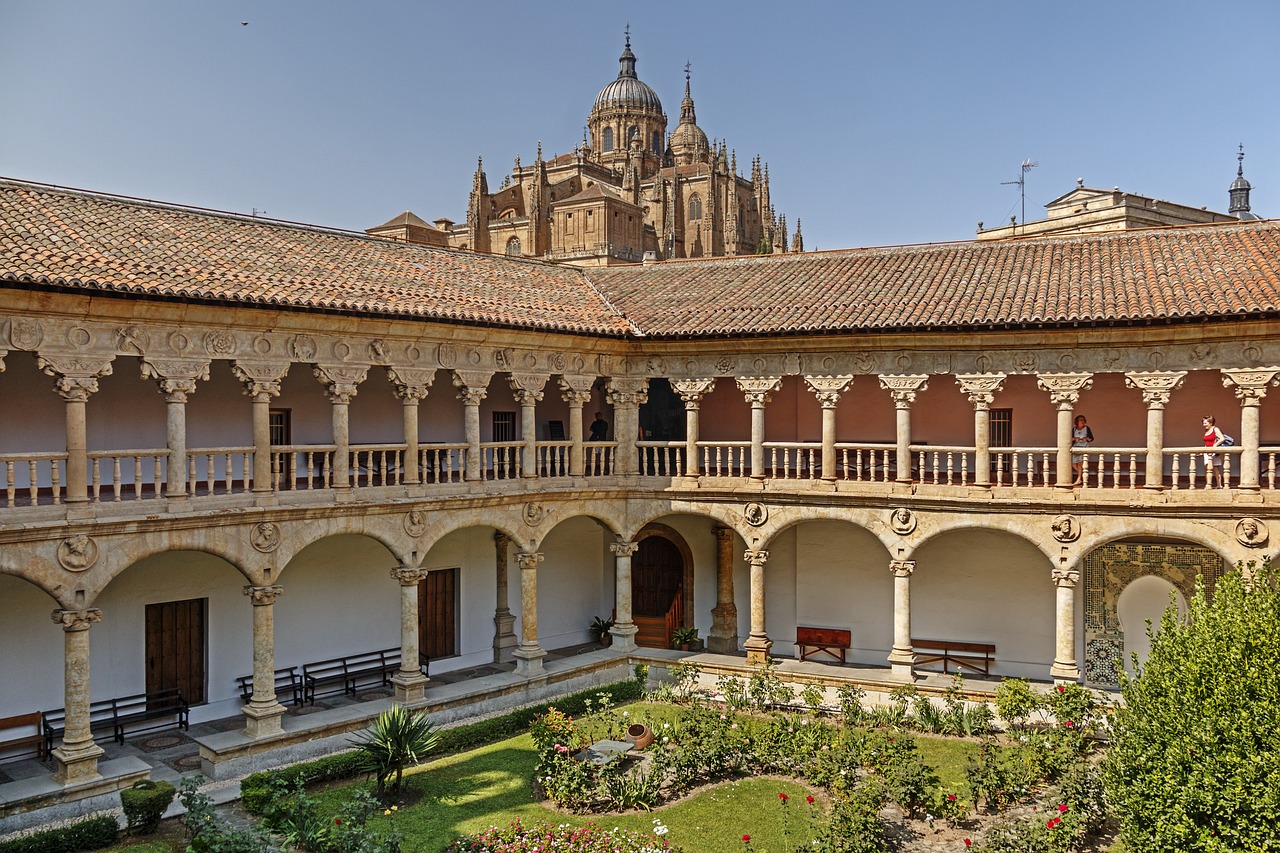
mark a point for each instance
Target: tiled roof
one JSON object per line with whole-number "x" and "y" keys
{"x": 103, "y": 243}
{"x": 1165, "y": 274}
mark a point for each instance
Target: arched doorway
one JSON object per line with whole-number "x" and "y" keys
{"x": 1142, "y": 601}
{"x": 658, "y": 600}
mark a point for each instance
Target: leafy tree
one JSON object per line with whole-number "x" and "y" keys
{"x": 1195, "y": 759}
{"x": 397, "y": 739}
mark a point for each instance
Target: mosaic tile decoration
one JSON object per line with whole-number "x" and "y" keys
{"x": 1102, "y": 657}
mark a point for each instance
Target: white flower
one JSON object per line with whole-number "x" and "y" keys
{"x": 666, "y": 725}
{"x": 661, "y": 830}
{"x": 665, "y": 739}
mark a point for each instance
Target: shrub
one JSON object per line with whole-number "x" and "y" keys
{"x": 208, "y": 831}
{"x": 397, "y": 739}
{"x": 144, "y": 804}
{"x": 855, "y": 825}
{"x": 851, "y": 697}
{"x": 1195, "y": 757}
{"x": 1016, "y": 702}
{"x": 546, "y": 836}
{"x": 91, "y": 834}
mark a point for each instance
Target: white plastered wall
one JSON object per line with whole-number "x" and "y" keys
{"x": 843, "y": 581}
{"x": 473, "y": 552}
{"x": 575, "y": 582}
{"x": 31, "y": 647}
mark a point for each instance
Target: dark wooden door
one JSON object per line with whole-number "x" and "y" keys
{"x": 657, "y": 584}
{"x": 437, "y": 613}
{"x": 176, "y": 647}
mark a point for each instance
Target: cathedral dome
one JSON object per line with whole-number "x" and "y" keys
{"x": 628, "y": 91}
{"x": 688, "y": 142}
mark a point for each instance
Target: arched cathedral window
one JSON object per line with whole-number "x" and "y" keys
{"x": 513, "y": 247}
{"x": 631, "y": 134}
{"x": 657, "y": 142}
{"x": 695, "y": 208}
{"x": 606, "y": 140}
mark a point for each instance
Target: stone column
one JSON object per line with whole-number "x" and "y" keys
{"x": 756, "y": 390}
{"x": 981, "y": 389}
{"x": 627, "y": 395}
{"x": 473, "y": 387}
{"x": 1064, "y": 661}
{"x": 177, "y": 380}
{"x": 758, "y": 643}
{"x": 828, "y": 390}
{"x": 528, "y": 655}
{"x": 902, "y": 659}
{"x": 576, "y": 391}
{"x": 1250, "y": 386}
{"x": 723, "y": 638}
{"x": 263, "y": 712}
{"x": 624, "y": 629}
{"x": 1064, "y": 392}
{"x": 76, "y": 760}
{"x": 692, "y": 391}
{"x": 527, "y": 390}
{"x": 76, "y": 380}
{"x": 412, "y": 385}
{"x": 1156, "y": 386}
{"x": 262, "y": 383}
{"x": 903, "y": 388}
{"x": 340, "y": 384}
{"x": 504, "y": 636}
{"x": 410, "y": 684}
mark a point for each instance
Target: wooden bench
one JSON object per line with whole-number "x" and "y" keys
{"x": 21, "y": 730}
{"x": 287, "y": 682}
{"x": 974, "y": 656}
{"x": 352, "y": 670}
{"x": 122, "y": 713}
{"x": 832, "y": 641}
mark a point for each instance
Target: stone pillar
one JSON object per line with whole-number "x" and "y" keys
{"x": 1156, "y": 386}
{"x": 624, "y": 629}
{"x": 1064, "y": 661}
{"x": 76, "y": 760}
{"x": 527, "y": 390}
{"x": 262, "y": 383}
{"x": 77, "y": 379}
{"x": 1064, "y": 392}
{"x": 576, "y": 391}
{"x": 504, "y": 636}
{"x": 981, "y": 389}
{"x": 627, "y": 395}
{"x": 828, "y": 390}
{"x": 692, "y": 391}
{"x": 410, "y": 684}
{"x": 1250, "y": 386}
{"x": 528, "y": 655}
{"x": 902, "y": 659}
{"x": 473, "y": 387}
{"x": 756, "y": 390}
{"x": 723, "y": 638}
{"x": 411, "y": 386}
{"x": 903, "y": 388}
{"x": 340, "y": 384}
{"x": 758, "y": 643}
{"x": 263, "y": 712}
{"x": 177, "y": 380}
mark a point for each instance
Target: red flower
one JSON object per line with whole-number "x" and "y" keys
{"x": 746, "y": 838}
{"x": 1061, "y": 689}
{"x": 782, "y": 796}
{"x": 337, "y": 821}
{"x": 1049, "y": 823}
{"x": 1068, "y": 724}
{"x": 968, "y": 843}
{"x": 809, "y": 799}
{"x": 951, "y": 798}
{"x": 1062, "y": 808}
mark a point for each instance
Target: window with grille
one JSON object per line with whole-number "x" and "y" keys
{"x": 504, "y": 426}
{"x": 513, "y": 247}
{"x": 279, "y": 426}
{"x": 1001, "y": 432}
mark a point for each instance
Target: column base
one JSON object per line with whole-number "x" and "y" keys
{"x": 77, "y": 764}
{"x": 504, "y": 637}
{"x": 529, "y": 660}
{"x": 757, "y": 649}
{"x": 902, "y": 662}
{"x": 263, "y": 720}
{"x": 409, "y": 686}
{"x": 1064, "y": 672}
{"x": 624, "y": 636}
{"x": 723, "y": 637}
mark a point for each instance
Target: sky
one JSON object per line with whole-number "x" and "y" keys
{"x": 882, "y": 123}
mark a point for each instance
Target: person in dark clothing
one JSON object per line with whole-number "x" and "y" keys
{"x": 599, "y": 429}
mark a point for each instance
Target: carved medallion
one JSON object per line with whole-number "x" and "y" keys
{"x": 1025, "y": 362}
{"x": 447, "y": 355}
{"x": 179, "y": 342}
{"x": 25, "y": 334}
{"x": 1252, "y": 352}
{"x": 530, "y": 360}
{"x": 1066, "y": 528}
{"x": 864, "y": 362}
{"x": 77, "y": 553}
{"x": 262, "y": 345}
{"x": 1251, "y": 532}
{"x": 504, "y": 358}
{"x": 132, "y": 339}
{"x": 902, "y": 521}
{"x": 342, "y": 350}
{"x": 755, "y": 514}
{"x": 415, "y": 523}
{"x": 377, "y": 350}
{"x": 725, "y": 365}
{"x": 265, "y": 536}
{"x": 534, "y": 513}
{"x": 220, "y": 342}
{"x": 303, "y": 348}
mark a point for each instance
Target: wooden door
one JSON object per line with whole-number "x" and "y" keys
{"x": 437, "y": 613}
{"x": 175, "y": 632}
{"x": 657, "y": 586}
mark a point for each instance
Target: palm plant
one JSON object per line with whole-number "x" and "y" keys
{"x": 397, "y": 739}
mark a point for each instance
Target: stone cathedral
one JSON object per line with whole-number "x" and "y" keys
{"x": 631, "y": 191}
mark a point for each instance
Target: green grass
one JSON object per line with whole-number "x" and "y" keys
{"x": 154, "y": 846}
{"x": 948, "y": 758}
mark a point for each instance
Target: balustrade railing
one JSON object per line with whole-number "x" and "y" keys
{"x": 33, "y": 478}
{"x": 219, "y": 470}
{"x": 793, "y": 460}
{"x": 1023, "y": 466}
{"x": 1190, "y": 467}
{"x": 942, "y": 465}
{"x": 725, "y": 458}
{"x": 500, "y": 460}
{"x": 553, "y": 458}
{"x": 598, "y": 457}
{"x": 443, "y": 463}
{"x": 869, "y": 463}
{"x": 661, "y": 458}
{"x": 137, "y": 474}
{"x": 376, "y": 465}
{"x": 298, "y": 467}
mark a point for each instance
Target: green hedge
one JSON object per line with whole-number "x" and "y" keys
{"x": 255, "y": 789}
{"x": 91, "y": 834}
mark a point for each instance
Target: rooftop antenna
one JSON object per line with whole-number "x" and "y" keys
{"x": 1027, "y": 165}
{"x": 257, "y": 213}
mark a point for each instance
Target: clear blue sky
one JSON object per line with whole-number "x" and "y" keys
{"x": 882, "y": 123}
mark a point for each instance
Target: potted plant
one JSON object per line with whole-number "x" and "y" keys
{"x": 683, "y": 637}
{"x": 599, "y": 630}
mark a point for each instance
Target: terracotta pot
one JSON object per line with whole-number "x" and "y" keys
{"x": 639, "y": 735}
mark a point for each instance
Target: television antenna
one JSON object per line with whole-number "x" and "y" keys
{"x": 1027, "y": 165}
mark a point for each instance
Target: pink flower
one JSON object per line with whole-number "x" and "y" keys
{"x": 1062, "y": 808}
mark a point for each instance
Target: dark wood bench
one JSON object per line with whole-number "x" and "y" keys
{"x": 123, "y": 713}
{"x": 974, "y": 656}
{"x": 351, "y": 671}
{"x": 19, "y": 731}
{"x": 832, "y": 641}
{"x": 287, "y": 682}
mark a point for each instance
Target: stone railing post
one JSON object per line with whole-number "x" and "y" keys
{"x": 177, "y": 381}
{"x": 263, "y": 712}
{"x": 692, "y": 391}
{"x": 76, "y": 760}
{"x": 473, "y": 387}
{"x": 902, "y": 658}
{"x": 828, "y": 390}
{"x": 527, "y": 390}
{"x": 528, "y": 655}
{"x": 76, "y": 380}
{"x": 411, "y": 387}
{"x": 1064, "y": 392}
{"x": 504, "y": 637}
{"x": 340, "y": 384}
{"x": 624, "y": 629}
{"x": 1250, "y": 385}
{"x": 723, "y": 638}
{"x": 1064, "y": 661}
{"x": 409, "y": 682}
{"x": 903, "y": 388}
{"x": 262, "y": 383}
{"x": 1156, "y": 386}
{"x": 756, "y": 391}
{"x": 627, "y": 395}
{"x": 981, "y": 389}
{"x": 758, "y": 643}
{"x": 576, "y": 391}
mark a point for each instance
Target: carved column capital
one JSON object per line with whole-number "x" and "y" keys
{"x": 1156, "y": 385}
{"x": 902, "y": 568}
{"x": 624, "y": 547}
{"x": 1066, "y": 578}
{"x": 527, "y": 387}
{"x": 77, "y": 620}
{"x": 176, "y": 390}
{"x": 528, "y": 561}
{"x": 76, "y": 375}
{"x": 576, "y": 390}
{"x": 1250, "y": 384}
{"x": 903, "y": 387}
{"x": 828, "y": 388}
{"x": 261, "y": 380}
{"x": 756, "y": 557}
{"x": 1064, "y": 388}
{"x": 692, "y": 391}
{"x": 175, "y": 377}
{"x": 408, "y": 575}
{"x": 472, "y": 385}
{"x": 981, "y": 388}
{"x": 627, "y": 390}
{"x": 756, "y": 389}
{"x": 340, "y": 381}
{"x": 261, "y": 596}
{"x": 411, "y": 383}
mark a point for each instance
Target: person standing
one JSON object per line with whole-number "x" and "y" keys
{"x": 599, "y": 429}
{"x": 1081, "y": 437}
{"x": 1212, "y": 461}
